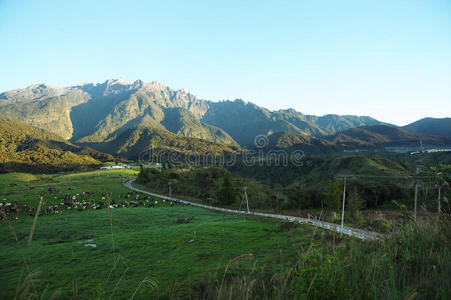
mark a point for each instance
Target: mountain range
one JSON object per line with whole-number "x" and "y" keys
{"x": 117, "y": 117}
{"x": 96, "y": 112}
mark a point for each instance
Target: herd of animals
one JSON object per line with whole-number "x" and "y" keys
{"x": 84, "y": 201}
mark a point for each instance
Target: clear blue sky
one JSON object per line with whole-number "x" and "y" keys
{"x": 387, "y": 59}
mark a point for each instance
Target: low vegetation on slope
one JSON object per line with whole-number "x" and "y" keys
{"x": 384, "y": 136}
{"x": 373, "y": 181}
{"x": 139, "y": 142}
{"x": 210, "y": 185}
{"x": 377, "y": 138}
{"x": 317, "y": 171}
{"x": 433, "y": 126}
{"x": 27, "y": 148}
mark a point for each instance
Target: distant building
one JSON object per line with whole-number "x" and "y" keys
{"x": 111, "y": 167}
{"x": 430, "y": 151}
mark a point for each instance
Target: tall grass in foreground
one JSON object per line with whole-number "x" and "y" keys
{"x": 29, "y": 280}
{"x": 414, "y": 263}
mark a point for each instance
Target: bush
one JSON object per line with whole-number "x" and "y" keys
{"x": 380, "y": 225}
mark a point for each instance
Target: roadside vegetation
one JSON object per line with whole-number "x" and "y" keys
{"x": 375, "y": 202}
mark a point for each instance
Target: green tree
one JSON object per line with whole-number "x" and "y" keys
{"x": 354, "y": 203}
{"x": 226, "y": 194}
{"x": 278, "y": 195}
{"x": 442, "y": 178}
{"x": 333, "y": 196}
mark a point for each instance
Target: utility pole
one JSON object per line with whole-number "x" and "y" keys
{"x": 416, "y": 195}
{"x": 247, "y": 201}
{"x": 343, "y": 208}
{"x": 415, "y": 205}
{"x": 438, "y": 200}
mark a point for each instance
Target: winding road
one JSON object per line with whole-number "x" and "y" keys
{"x": 355, "y": 232}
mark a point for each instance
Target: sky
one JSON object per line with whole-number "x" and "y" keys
{"x": 390, "y": 60}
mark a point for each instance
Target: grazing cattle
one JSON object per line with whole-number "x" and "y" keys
{"x": 74, "y": 202}
{"x": 99, "y": 205}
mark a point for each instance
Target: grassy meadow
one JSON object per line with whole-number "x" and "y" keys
{"x": 169, "y": 251}
{"x": 156, "y": 246}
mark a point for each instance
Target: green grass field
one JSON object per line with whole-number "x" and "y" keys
{"x": 27, "y": 188}
{"x": 184, "y": 252}
{"x": 162, "y": 245}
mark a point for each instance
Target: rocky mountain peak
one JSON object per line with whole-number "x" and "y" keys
{"x": 138, "y": 83}
{"x": 110, "y": 82}
{"x": 33, "y": 92}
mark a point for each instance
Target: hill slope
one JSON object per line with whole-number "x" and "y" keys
{"x": 317, "y": 171}
{"x": 138, "y": 142}
{"x": 440, "y": 127}
{"x": 384, "y": 136}
{"x": 244, "y": 121}
{"x": 292, "y": 141}
{"x": 377, "y": 137}
{"x": 24, "y": 147}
